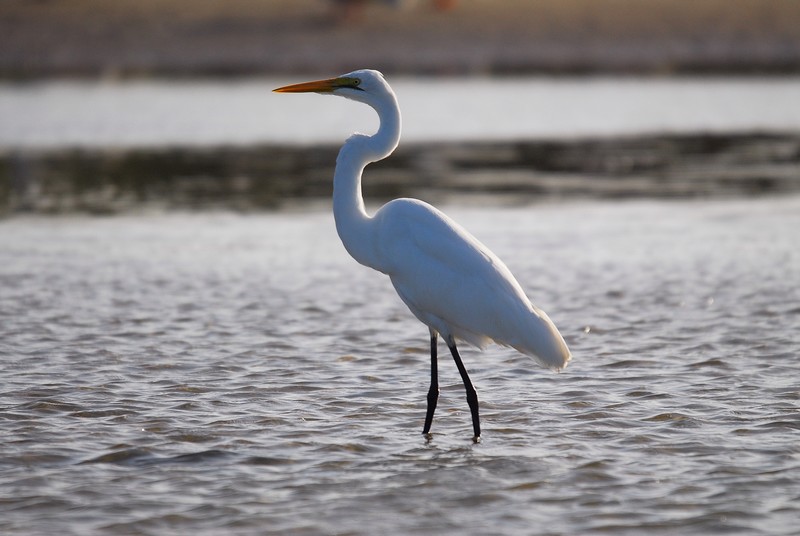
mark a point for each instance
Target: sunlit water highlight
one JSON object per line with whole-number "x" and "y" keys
{"x": 57, "y": 114}
{"x": 239, "y": 374}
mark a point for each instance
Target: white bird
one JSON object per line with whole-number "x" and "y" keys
{"x": 451, "y": 282}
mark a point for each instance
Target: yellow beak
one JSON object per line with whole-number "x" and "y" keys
{"x": 320, "y": 86}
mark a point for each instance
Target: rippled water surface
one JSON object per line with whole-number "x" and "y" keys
{"x": 239, "y": 374}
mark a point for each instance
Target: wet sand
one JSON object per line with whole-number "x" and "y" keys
{"x": 243, "y": 37}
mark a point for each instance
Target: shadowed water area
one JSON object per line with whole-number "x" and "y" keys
{"x": 239, "y": 374}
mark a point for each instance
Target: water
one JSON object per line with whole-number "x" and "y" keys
{"x": 239, "y": 374}
{"x": 57, "y": 114}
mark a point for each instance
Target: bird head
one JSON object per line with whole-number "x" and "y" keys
{"x": 365, "y": 85}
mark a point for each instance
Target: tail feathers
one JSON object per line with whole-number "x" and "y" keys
{"x": 531, "y": 333}
{"x": 556, "y": 361}
{"x": 542, "y": 341}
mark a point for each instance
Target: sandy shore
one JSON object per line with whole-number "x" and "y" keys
{"x": 243, "y": 37}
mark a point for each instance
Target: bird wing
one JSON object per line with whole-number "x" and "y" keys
{"x": 441, "y": 270}
{"x": 456, "y": 285}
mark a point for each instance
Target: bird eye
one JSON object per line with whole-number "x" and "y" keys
{"x": 353, "y": 83}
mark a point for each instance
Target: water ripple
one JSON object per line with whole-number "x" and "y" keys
{"x": 215, "y": 373}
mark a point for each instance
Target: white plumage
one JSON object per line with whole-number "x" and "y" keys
{"x": 450, "y": 281}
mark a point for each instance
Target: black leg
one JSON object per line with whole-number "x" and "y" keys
{"x": 472, "y": 395}
{"x": 433, "y": 392}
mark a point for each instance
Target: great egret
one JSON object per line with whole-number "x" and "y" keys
{"x": 451, "y": 282}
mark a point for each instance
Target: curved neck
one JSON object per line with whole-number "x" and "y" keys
{"x": 352, "y": 220}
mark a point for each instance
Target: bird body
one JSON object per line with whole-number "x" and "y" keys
{"x": 448, "y": 279}
{"x": 457, "y": 286}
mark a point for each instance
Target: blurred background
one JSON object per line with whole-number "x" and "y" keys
{"x": 186, "y": 347}
{"x": 108, "y": 105}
